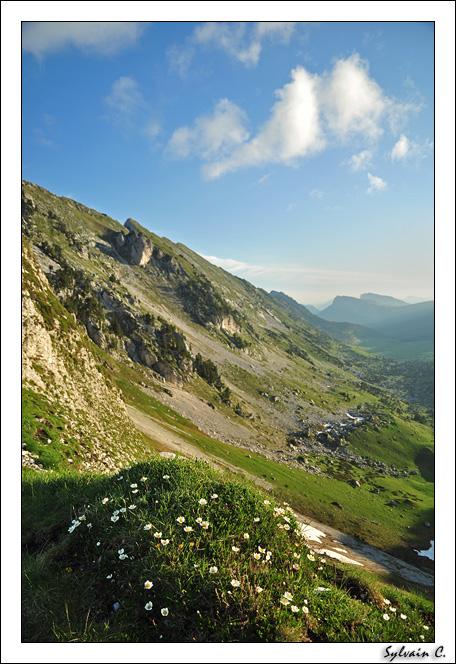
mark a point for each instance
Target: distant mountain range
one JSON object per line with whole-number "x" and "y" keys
{"x": 393, "y": 318}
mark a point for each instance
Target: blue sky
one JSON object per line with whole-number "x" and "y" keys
{"x": 298, "y": 155}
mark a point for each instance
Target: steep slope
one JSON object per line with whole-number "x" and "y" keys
{"x": 71, "y": 409}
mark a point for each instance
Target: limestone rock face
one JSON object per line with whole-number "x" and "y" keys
{"x": 167, "y": 372}
{"x": 229, "y": 324}
{"x": 135, "y": 247}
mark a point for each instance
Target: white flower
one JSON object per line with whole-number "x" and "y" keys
{"x": 284, "y": 601}
{"x": 421, "y": 637}
{"x": 425, "y": 627}
{"x": 123, "y": 556}
{"x": 288, "y": 595}
{"x": 166, "y": 477}
{"x": 135, "y": 490}
{"x": 256, "y": 519}
{"x": 149, "y": 606}
{"x": 246, "y": 536}
{"x": 157, "y": 535}
{"x": 286, "y": 527}
{"x": 403, "y": 616}
{"x": 188, "y": 529}
{"x": 261, "y": 550}
{"x": 235, "y": 583}
{"x": 256, "y": 556}
{"x": 105, "y": 500}
{"x": 205, "y": 525}
{"x": 114, "y": 518}
{"x": 387, "y": 601}
{"x": 123, "y": 510}
{"x": 180, "y": 519}
{"x": 266, "y": 502}
{"x": 296, "y": 566}
{"x": 132, "y": 507}
{"x": 82, "y": 518}
{"x": 296, "y": 555}
{"x": 98, "y": 543}
{"x": 386, "y": 616}
{"x": 120, "y": 551}
{"x": 213, "y": 570}
{"x": 199, "y": 520}
{"x": 143, "y": 479}
{"x": 148, "y": 526}
{"x": 109, "y": 576}
{"x": 259, "y": 589}
{"x": 310, "y": 556}
{"x": 202, "y": 501}
{"x": 392, "y": 609}
{"x": 305, "y": 609}
{"x": 148, "y": 585}
{"x": 89, "y": 525}
{"x": 116, "y": 512}
{"x": 294, "y": 609}
{"x": 164, "y": 612}
{"x": 133, "y": 486}
{"x": 164, "y": 542}
{"x": 214, "y": 496}
{"x": 120, "y": 478}
{"x": 235, "y": 549}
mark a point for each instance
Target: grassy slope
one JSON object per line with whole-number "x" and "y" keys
{"x": 86, "y": 582}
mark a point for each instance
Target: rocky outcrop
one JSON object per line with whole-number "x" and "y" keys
{"x": 135, "y": 247}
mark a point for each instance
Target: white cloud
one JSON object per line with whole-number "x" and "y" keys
{"x": 405, "y": 148}
{"x": 103, "y": 37}
{"x": 401, "y": 148}
{"x": 361, "y": 160}
{"x": 242, "y": 41}
{"x": 292, "y": 131}
{"x": 125, "y": 97}
{"x": 316, "y": 193}
{"x": 352, "y": 102}
{"x": 375, "y": 184}
{"x": 311, "y": 112}
{"x": 211, "y": 135}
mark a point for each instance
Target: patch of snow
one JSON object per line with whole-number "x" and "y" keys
{"x": 310, "y": 533}
{"x": 339, "y": 556}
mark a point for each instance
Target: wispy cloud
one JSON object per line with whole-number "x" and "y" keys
{"x": 125, "y": 97}
{"x": 242, "y": 41}
{"x": 40, "y": 138}
{"x": 312, "y": 112}
{"x": 375, "y": 184}
{"x": 295, "y": 274}
{"x": 211, "y": 135}
{"x": 316, "y": 193}
{"x": 404, "y": 148}
{"x": 360, "y": 161}
{"x": 102, "y": 37}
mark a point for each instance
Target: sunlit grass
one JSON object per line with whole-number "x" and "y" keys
{"x": 170, "y": 550}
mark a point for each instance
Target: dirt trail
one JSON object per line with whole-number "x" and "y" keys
{"x": 321, "y": 538}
